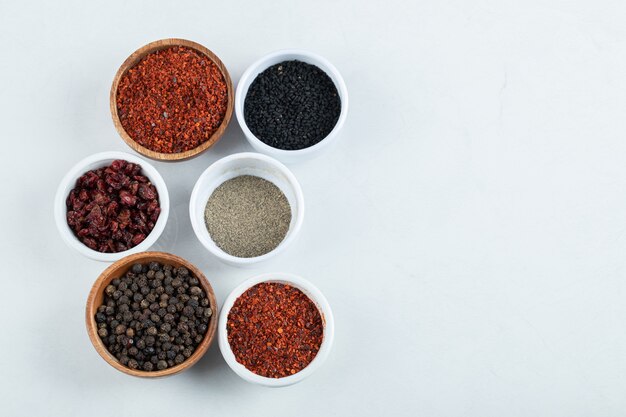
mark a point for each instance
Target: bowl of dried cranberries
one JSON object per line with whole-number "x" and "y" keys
{"x": 110, "y": 205}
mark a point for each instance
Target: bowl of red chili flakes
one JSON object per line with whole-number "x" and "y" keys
{"x": 111, "y": 204}
{"x": 275, "y": 329}
{"x": 172, "y": 99}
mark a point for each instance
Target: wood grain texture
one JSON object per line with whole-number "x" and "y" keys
{"x": 132, "y": 60}
{"x": 117, "y": 270}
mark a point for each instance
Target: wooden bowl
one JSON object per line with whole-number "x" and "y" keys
{"x": 133, "y": 60}
{"x": 117, "y": 270}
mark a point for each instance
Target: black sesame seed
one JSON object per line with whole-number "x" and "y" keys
{"x": 292, "y": 105}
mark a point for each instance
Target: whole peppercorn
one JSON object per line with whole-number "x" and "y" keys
{"x": 147, "y": 366}
{"x": 189, "y": 311}
{"x": 109, "y": 290}
{"x": 103, "y": 332}
{"x": 150, "y": 340}
{"x": 161, "y": 365}
{"x": 133, "y": 364}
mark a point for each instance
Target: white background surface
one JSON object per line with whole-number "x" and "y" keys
{"x": 468, "y": 230}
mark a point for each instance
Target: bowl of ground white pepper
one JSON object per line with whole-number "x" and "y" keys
{"x": 246, "y": 208}
{"x": 275, "y": 329}
{"x": 151, "y": 315}
{"x": 291, "y": 104}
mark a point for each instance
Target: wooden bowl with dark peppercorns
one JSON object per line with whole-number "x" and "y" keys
{"x": 151, "y": 314}
{"x": 172, "y": 99}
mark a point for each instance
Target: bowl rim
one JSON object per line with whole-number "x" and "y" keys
{"x": 261, "y": 64}
{"x": 197, "y": 219}
{"x": 310, "y": 291}
{"x": 132, "y": 60}
{"x": 69, "y": 181}
{"x": 107, "y": 276}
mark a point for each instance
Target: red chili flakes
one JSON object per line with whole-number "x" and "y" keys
{"x": 114, "y": 208}
{"x": 173, "y": 100}
{"x": 274, "y": 330}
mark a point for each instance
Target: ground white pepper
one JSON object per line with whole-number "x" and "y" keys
{"x": 247, "y": 216}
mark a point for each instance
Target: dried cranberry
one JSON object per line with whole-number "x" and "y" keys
{"x": 127, "y": 198}
{"x": 114, "y": 208}
{"x": 147, "y": 192}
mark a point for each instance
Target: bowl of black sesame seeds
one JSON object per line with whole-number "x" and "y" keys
{"x": 291, "y": 104}
{"x": 151, "y": 315}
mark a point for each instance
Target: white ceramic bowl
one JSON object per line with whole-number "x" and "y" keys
{"x": 274, "y": 58}
{"x": 100, "y": 160}
{"x": 246, "y": 163}
{"x": 309, "y": 290}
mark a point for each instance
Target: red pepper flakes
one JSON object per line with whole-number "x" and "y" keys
{"x": 274, "y": 330}
{"x": 173, "y": 100}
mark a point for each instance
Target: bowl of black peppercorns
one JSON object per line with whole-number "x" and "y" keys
{"x": 151, "y": 314}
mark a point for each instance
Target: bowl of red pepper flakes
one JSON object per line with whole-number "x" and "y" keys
{"x": 171, "y": 100}
{"x": 275, "y": 329}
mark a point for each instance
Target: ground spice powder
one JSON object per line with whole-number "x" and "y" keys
{"x": 173, "y": 100}
{"x": 247, "y": 216}
{"x": 274, "y": 330}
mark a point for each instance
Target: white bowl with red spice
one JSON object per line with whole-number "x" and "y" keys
{"x": 265, "y": 62}
{"x": 94, "y": 162}
{"x": 229, "y": 167}
{"x": 312, "y": 293}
